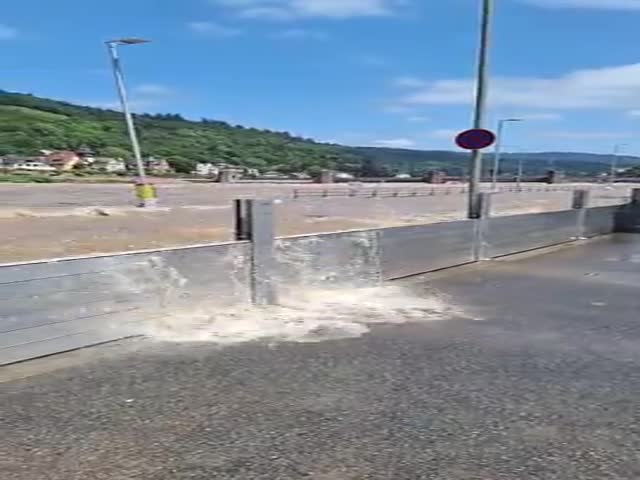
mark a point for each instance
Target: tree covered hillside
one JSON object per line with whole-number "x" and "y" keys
{"x": 29, "y": 124}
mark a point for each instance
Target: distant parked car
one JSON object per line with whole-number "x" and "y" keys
{"x": 344, "y": 176}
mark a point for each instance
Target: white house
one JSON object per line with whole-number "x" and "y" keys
{"x": 33, "y": 167}
{"x": 206, "y": 170}
{"x": 115, "y": 166}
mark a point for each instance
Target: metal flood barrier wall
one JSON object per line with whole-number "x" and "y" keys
{"x": 334, "y": 260}
{"x": 50, "y": 307}
{"x": 54, "y": 306}
{"x": 407, "y": 251}
{"x": 519, "y": 233}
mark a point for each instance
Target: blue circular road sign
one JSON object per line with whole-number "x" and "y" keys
{"x": 475, "y": 139}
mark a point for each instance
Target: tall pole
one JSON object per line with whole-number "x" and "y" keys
{"x": 614, "y": 163}
{"x": 498, "y": 151}
{"x": 496, "y": 156}
{"x": 122, "y": 93}
{"x": 520, "y": 168}
{"x": 475, "y": 173}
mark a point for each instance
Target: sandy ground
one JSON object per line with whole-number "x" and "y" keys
{"x": 59, "y": 220}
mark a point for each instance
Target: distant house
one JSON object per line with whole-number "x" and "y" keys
{"x": 63, "y": 160}
{"x": 157, "y": 165}
{"x": 108, "y": 165}
{"x": 206, "y": 170}
{"x": 32, "y": 167}
{"x": 19, "y": 162}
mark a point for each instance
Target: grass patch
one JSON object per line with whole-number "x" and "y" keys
{"x": 21, "y": 178}
{"x": 31, "y": 112}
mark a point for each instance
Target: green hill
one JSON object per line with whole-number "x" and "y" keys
{"x": 29, "y": 124}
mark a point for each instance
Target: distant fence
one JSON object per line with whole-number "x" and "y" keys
{"x": 405, "y": 192}
{"x": 52, "y": 306}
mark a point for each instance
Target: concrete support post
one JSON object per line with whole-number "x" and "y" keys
{"x": 326, "y": 176}
{"x": 242, "y": 226}
{"x": 581, "y": 204}
{"x": 227, "y": 176}
{"x": 481, "y": 247}
{"x": 254, "y": 222}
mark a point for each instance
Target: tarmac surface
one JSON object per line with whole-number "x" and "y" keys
{"x": 539, "y": 380}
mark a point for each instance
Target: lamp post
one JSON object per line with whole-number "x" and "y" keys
{"x": 482, "y": 80}
{"x": 520, "y": 172}
{"x": 145, "y": 191}
{"x": 498, "y": 150}
{"x": 614, "y": 161}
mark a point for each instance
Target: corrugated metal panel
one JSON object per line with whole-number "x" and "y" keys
{"x": 413, "y": 250}
{"x": 600, "y": 221}
{"x": 519, "y": 233}
{"x": 329, "y": 260}
{"x": 57, "y": 306}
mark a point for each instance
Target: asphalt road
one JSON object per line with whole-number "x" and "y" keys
{"x": 52, "y": 221}
{"x": 539, "y": 380}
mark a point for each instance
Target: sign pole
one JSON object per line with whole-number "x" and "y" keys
{"x": 480, "y": 105}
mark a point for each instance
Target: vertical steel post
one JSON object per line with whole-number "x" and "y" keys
{"x": 254, "y": 222}
{"x": 481, "y": 247}
{"x": 480, "y": 105}
{"x": 520, "y": 171}
{"x": 581, "y": 204}
{"x": 496, "y": 155}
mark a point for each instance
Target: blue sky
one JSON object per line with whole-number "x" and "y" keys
{"x": 361, "y": 72}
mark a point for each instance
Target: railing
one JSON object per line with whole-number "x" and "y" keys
{"x": 388, "y": 192}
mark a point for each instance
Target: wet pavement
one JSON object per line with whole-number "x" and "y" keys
{"x": 540, "y": 379}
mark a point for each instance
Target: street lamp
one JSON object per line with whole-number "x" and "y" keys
{"x": 498, "y": 150}
{"x": 482, "y": 81}
{"x": 145, "y": 191}
{"x": 614, "y": 161}
{"x": 520, "y": 173}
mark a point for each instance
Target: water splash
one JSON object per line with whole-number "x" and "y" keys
{"x": 313, "y": 315}
{"x": 329, "y": 288}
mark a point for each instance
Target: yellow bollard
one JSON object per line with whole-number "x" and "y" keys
{"x": 147, "y": 195}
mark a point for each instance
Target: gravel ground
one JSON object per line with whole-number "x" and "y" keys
{"x": 542, "y": 383}
{"x": 52, "y": 221}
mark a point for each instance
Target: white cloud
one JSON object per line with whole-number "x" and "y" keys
{"x": 609, "y": 87}
{"x": 446, "y": 133}
{"x": 539, "y": 116}
{"x": 7, "y": 32}
{"x": 143, "y": 98}
{"x": 408, "y": 82}
{"x": 396, "y": 109}
{"x": 417, "y": 119}
{"x": 214, "y": 29}
{"x": 152, "y": 89}
{"x": 290, "y": 9}
{"x": 300, "y": 34}
{"x": 579, "y": 135}
{"x": 593, "y": 4}
{"x": 138, "y": 106}
{"x": 395, "y": 143}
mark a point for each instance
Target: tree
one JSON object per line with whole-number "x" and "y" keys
{"x": 115, "y": 152}
{"x": 182, "y": 165}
